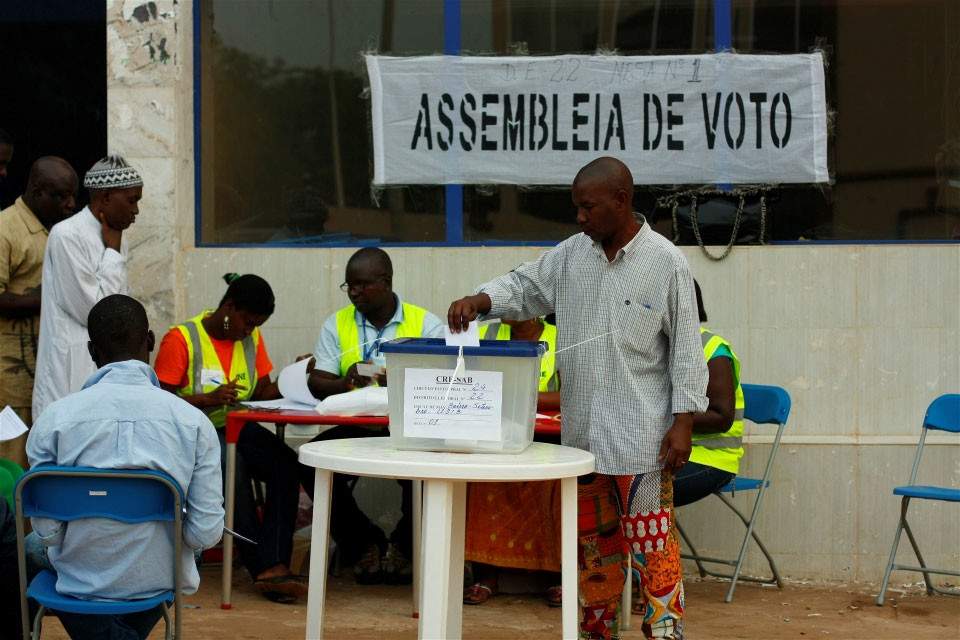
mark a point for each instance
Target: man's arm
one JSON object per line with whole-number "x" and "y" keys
{"x": 41, "y": 449}
{"x": 13, "y": 305}
{"x": 721, "y": 394}
{"x": 80, "y": 279}
{"x": 688, "y": 371}
{"x": 528, "y": 291}
{"x": 323, "y": 373}
{"x": 203, "y": 526}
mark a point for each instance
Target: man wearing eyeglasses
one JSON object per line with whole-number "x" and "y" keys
{"x": 350, "y": 337}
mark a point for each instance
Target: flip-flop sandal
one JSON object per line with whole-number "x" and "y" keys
{"x": 477, "y": 593}
{"x": 555, "y": 596}
{"x": 289, "y": 585}
{"x": 281, "y": 598}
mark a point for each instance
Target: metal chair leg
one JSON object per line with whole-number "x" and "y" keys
{"x": 168, "y": 628}
{"x": 746, "y": 538}
{"x": 695, "y": 555}
{"x": 916, "y": 550}
{"x": 904, "y": 504}
{"x": 38, "y": 623}
{"x": 756, "y": 538}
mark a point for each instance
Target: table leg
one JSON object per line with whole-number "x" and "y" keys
{"x": 437, "y": 520}
{"x": 568, "y": 557}
{"x": 230, "y": 493}
{"x": 417, "y": 543}
{"x": 455, "y": 581}
{"x": 319, "y": 553}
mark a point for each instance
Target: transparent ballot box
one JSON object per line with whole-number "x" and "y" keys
{"x": 487, "y": 406}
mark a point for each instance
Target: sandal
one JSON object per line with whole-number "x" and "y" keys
{"x": 478, "y": 593}
{"x": 555, "y": 596}
{"x": 291, "y": 586}
{"x": 280, "y": 598}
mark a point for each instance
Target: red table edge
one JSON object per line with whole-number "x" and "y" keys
{"x": 237, "y": 418}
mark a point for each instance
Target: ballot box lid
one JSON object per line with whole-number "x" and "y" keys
{"x": 488, "y": 348}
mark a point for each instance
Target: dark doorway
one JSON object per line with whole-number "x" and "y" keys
{"x": 53, "y": 84}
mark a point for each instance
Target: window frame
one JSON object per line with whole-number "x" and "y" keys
{"x": 453, "y": 194}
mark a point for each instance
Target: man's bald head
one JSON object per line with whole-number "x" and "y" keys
{"x": 609, "y": 172}
{"x": 371, "y": 261}
{"x": 51, "y": 190}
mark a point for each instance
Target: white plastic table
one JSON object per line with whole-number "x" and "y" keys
{"x": 445, "y": 477}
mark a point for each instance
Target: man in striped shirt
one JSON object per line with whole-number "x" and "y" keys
{"x": 629, "y": 355}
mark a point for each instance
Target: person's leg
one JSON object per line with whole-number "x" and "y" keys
{"x": 600, "y": 551}
{"x": 133, "y": 626}
{"x": 696, "y": 481}
{"x": 272, "y": 462}
{"x": 649, "y": 531}
{"x": 355, "y": 535}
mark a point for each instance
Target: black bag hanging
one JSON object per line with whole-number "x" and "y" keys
{"x": 713, "y": 217}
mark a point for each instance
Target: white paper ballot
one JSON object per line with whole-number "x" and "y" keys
{"x": 280, "y": 404}
{"x": 370, "y": 370}
{"x": 11, "y": 426}
{"x": 468, "y": 338}
{"x": 293, "y": 383}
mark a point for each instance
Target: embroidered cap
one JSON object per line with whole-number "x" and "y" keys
{"x": 112, "y": 172}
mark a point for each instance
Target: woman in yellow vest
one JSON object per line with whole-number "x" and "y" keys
{"x": 717, "y": 432}
{"x": 213, "y": 361}
{"x": 515, "y": 525}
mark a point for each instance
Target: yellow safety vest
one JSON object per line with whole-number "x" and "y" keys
{"x": 410, "y": 327}
{"x": 548, "y": 363}
{"x": 243, "y": 365}
{"x": 721, "y": 450}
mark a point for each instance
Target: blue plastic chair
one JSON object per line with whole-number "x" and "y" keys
{"x": 762, "y": 405}
{"x": 131, "y": 496}
{"x": 943, "y": 414}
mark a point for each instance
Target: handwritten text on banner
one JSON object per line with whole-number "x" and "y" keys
{"x": 689, "y": 119}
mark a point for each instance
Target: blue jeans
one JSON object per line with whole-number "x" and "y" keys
{"x": 131, "y": 626}
{"x": 695, "y": 481}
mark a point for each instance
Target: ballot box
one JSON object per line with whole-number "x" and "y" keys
{"x": 487, "y": 405}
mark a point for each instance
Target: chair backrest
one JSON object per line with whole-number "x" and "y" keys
{"x": 72, "y": 493}
{"x": 764, "y": 404}
{"x": 944, "y": 413}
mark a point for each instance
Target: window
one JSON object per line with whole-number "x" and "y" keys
{"x": 284, "y": 133}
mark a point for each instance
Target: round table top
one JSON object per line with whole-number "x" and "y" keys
{"x": 377, "y": 457}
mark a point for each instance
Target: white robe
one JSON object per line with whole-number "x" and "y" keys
{"x": 78, "y": 271}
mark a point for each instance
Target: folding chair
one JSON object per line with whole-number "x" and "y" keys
{"x": 73, "y": 493}
{"x": 943, "y": 414}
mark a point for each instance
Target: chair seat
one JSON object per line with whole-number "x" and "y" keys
{"x": 43, "y": 589}
{"x": 742, "y": 484}
{"x": 928, "y": 493}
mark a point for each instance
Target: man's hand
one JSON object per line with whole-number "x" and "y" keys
{"x": 465, "y": 310}
{"x": 676, "y": 445}
{"x": 111, "y": 237}
{"x": 354, "y": 379}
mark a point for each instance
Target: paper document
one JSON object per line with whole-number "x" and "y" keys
{"x": 11, "y": 426}
{"x": 280, "y": 404}
{"x": 293, "y": 383}
{"x": 468, "y": 338}
{"x": 472, "y": 410}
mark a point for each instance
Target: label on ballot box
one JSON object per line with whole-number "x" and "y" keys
{"x": 468, "y": 407}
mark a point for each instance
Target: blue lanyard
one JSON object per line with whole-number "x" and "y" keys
{"x": 373, "y": 347}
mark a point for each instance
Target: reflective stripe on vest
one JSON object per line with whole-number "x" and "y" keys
{"x": 243, "y": 364}
{"x": 721, "y": 450}
{"x": 349, "y": 336}
{"x": 548, "y": 363}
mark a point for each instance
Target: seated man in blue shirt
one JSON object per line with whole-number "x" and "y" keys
{"x": 122, "y": 419}
{"x": 349, "y": 337}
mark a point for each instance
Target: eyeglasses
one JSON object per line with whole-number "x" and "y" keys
{"x": 346, "y": 287}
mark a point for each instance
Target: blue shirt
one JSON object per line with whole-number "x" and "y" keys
{"x": 122, "y": 419}
{"x": 328, "y": 350}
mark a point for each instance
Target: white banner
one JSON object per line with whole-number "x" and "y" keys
{"x": 712, "y": 118}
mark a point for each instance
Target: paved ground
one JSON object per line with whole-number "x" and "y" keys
{"x": 383, "y": 613}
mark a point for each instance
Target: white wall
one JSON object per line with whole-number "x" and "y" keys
{"x": 862, "y": 336}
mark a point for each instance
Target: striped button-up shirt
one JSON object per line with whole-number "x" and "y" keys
{"x": 618, "y": 392}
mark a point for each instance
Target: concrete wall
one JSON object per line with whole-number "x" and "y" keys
{"x": 862, "y": 336}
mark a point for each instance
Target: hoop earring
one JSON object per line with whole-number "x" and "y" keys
{"x": 226, "y": 323}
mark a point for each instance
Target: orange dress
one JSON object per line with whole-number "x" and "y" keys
{"x": 514, "y": 524}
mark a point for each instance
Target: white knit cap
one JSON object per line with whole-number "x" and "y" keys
{"x": 112, "y": 172}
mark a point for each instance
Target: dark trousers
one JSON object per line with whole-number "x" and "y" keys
{"x": 695, "y": 481}
{"x": 263, "y": 457}
{"x": 350, "y": 527}
{"x": 131, "y": 626}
